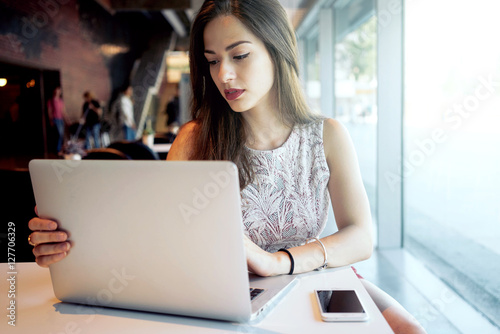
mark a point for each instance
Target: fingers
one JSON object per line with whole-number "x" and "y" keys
{"x": 50, "y": 245}
{"x": 39, "y": 224}
{"x": 50, "y": 249}
{"x": 46, "y": 260}
{"x": 42, "y": 237}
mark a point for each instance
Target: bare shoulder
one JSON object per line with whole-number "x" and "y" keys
{"x": 332, "y": 127}
{"x": 336, "y": 138}
{"x": 184, "y": 142}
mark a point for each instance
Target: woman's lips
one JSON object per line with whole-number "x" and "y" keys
{"x": 233, "y": 94}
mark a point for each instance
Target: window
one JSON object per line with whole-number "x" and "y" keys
{"x": 313, "y": 83}
{"x": 451, "y": 145}
{"x": 356, "y": 94}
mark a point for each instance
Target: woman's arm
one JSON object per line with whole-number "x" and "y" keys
{"x": 96, "y": 106}
{"x": 353, "y": 241}
{"x": 65, "y": 115}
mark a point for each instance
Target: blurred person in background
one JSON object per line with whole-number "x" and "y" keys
{"x": 57, "y": 115}
{"x": 91, "y": 116}
{"x": 172, "y": 112}
{"x": 123, "y": 111}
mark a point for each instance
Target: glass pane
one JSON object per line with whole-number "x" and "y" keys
{"x": 451, "y": 145}
{"x": 356, "y": 97}
{"x": 313, "y": 83}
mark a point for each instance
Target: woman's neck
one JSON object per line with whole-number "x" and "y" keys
{"x": 265, "y": 130}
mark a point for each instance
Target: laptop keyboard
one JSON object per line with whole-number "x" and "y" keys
{"x": 254, "y": 292}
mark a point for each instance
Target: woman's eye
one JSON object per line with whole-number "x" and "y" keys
{"x": 212, "y": 62}
{"x": 241, "y": 56}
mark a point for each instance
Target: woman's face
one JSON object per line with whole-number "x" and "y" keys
{"x": 240, "y": 64}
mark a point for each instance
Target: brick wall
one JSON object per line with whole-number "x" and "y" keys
{"x": 78, "y": 38}
{"x": 47, "y": 34}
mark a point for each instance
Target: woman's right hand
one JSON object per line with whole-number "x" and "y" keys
{"x": 50, "y": 245}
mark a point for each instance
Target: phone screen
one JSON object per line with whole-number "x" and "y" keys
{"x": 339, "y": 301}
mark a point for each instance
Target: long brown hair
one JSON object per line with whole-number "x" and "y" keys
{"x": 220, "y": 133}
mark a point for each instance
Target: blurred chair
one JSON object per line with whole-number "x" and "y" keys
{"x": 135, "y": 150}
{"x": 166, "y": 138}
{"x": 106, "y": 154}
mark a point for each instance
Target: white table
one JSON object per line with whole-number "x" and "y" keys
{"x": 38, "y": 311}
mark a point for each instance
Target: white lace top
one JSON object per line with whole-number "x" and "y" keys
{"x": 288, "y": 200}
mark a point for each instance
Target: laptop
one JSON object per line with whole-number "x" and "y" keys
{"x": 157, "y": 236}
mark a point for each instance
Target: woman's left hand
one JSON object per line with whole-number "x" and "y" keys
{"x": 259, "y": 261}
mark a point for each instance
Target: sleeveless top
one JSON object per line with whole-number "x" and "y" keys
{"x": 288, "y": 200}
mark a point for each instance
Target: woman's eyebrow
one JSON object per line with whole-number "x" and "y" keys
{"x": 229, "y": 47}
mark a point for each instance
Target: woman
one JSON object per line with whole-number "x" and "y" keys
{"x": 57, "y": 115}
{"x": 248, "y": 107}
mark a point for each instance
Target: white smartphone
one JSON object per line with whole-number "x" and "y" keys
{"x": 340, "y": 305}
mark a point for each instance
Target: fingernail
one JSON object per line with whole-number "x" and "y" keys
{"x": 53, "y": 226}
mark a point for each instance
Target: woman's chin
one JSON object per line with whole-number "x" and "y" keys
{"x": 236, "y": 108}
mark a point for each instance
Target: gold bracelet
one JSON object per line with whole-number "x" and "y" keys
{"x": 325, "y": 264}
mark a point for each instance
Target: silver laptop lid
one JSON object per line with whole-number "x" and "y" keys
{"x": 148, "y": 235}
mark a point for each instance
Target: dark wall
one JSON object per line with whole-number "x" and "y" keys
{"x": 17, "y": 209}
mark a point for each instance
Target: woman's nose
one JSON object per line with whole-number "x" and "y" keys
{"x": 226, "y": 72}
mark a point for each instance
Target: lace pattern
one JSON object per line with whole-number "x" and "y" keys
{"x": 288, "y": 199}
